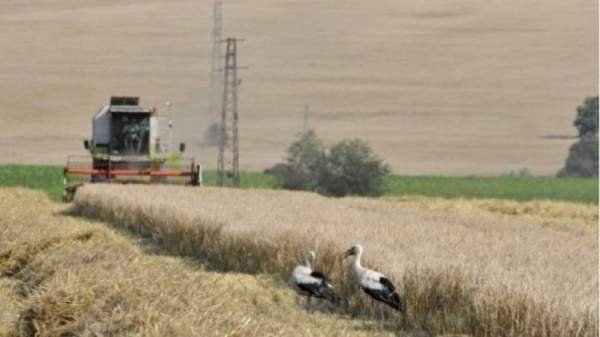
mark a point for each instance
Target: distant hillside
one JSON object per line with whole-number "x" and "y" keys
{"x": 437, "y": 87}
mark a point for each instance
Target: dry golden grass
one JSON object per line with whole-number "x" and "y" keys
{"x": 481, "y": 274}
{"x": 66, "y": 276}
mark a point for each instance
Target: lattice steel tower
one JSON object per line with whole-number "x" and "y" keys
{"x": 228, "y": 172}
{"x": 215, "y": 90}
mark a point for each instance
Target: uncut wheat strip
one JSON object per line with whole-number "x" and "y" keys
{"x": 553, "y": 267}
{"x": 487, "y": 307}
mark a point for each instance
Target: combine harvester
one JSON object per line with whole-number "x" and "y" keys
{"x": 127, "y": 147}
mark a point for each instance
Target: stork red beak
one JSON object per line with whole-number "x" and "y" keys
{"x": 347, "y": 253}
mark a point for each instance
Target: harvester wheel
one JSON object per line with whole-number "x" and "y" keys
{"x": 196, "y": 175}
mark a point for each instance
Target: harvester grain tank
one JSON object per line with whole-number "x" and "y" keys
{"x": 127, "y": 146}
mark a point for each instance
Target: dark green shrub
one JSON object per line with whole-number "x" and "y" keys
{"x": 586, "y": 120}
{"x": 582, "y": 160}
{"x": 304, "y": 161}
{"x": 348, "y": 168}
{"x": 352, "y": 169}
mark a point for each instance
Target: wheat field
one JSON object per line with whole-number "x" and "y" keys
{"x": 479, "y": 273}
{"x": 66, "y": 276}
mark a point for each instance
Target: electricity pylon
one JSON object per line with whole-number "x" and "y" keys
{"x": 228, "y": 171}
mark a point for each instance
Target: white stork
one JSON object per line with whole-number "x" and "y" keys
{"x": 375, "y": 284}
{"x": 310, "y": 283}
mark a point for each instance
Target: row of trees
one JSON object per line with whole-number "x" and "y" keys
{"x": 349, "y": 167}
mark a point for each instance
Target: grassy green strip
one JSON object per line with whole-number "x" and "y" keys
{"x": 582, "y": 190}
{"x": 39, "y": 177}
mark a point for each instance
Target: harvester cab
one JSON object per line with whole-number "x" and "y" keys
{"x": 127, "y": 146}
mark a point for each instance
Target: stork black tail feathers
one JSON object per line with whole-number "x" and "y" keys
{"x": 395, "y": 301}
{"x": 328, "y": 294}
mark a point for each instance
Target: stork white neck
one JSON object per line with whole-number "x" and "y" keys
{"x": 307, "y": 263}
{"x": 308, "y": 259}
{"x": 356, "y": 266}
